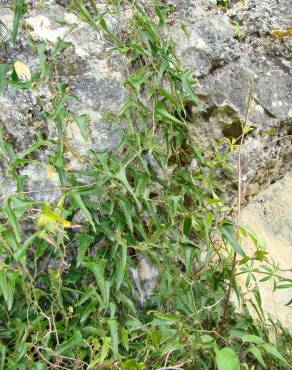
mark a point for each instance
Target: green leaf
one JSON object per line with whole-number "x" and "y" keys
{"x": 284, "y": 286}
{"x": 165, "y": 319}
{"x": 121, "y": 267}
{"x": 41, "y": 49}
{"x": 207, "y": 339}
{"x": 123, "y": 178}
{"x": 84, "y": 242}
{"x": 3, "y": 350}
{"x": 187, "y": 86}
{"x": 108, "y": 31}
{"x": 4, "y": 68}
{"x": 187, "y": 226}
{"x": 272, "y": 350}
{"x": 162, "y": 112}
{"x": 227, "y": 231}
{"x": 12, "y": 219}
{"x": 227, "y": 359}
{"x": 40, "y": 365}
{"x": 105, "y": 349}
{"x": 20, "y": 9}
{"x": 11, "y": 289}
{"x": 75, "y": 340}
{"x": 83, "y": 122}
{"x": 126, "y": 207}
{"x": 250, "y": 338}
{"x": 83, "y": 209}
{"x": 128, "y": 303}
{"x": 137, "y": 80}
{"x": 113, "y": 325}
{"x": 7, "y": 286}
{"x": 64, "y": 97}
{"x": 86, "y": 15}
{"x": 266, "y": 278}
{"x": 132, "y": 364}
{"x": 98, "y": 270}
{"x": 59, "y": 46}
{"x": 257, "y": 354}
{"x": 161, "y": 10}
{"x": 19, "y": 254}
{"x": 88, "y": 310}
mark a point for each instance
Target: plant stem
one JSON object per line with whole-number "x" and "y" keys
{"x": 233, "y": 266}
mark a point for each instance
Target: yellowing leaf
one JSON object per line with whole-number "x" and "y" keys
{"x": 281, "y": 33}
{"x": 22, "y": 71}
{"x": 51, "y": 171}
{"x": 52, "y": 218}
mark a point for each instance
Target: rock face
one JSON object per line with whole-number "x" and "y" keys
{"x": 82, "y": 64}
{"x": 227, "y": 50}
{"x": 145, "y": 278}
{"x": 269, "y": 216}
{"x": 233, "y": 54}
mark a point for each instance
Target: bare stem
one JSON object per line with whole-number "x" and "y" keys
{"x": 239, "y": 168}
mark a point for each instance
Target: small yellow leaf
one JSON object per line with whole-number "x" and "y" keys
{"x": 51, "y": 171}
{"x": 22, "y": 71}
{"x": 281, "y": 33}
{"x": 51, "y": 218}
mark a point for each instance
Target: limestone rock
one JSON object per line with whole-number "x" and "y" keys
{"x": 223, "y": 48}
{"x": 226, "y": 66}
{"x": 269, "y": 216}
{"x": 91, "y": 75}
{"x": 145, "y": 278}
{"x": 261, "y": 16}
{"x": 205, "y": 39}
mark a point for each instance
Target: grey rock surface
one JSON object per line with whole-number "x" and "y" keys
{"x": 224, "y": 48}
{"x": 229, "y": 51}
{"x": 94, "y": 77}
{"x": 204, "y": 38}
{"x": 145, "y": 277}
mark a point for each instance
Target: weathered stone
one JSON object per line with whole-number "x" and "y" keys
{"x": 42, "y": 183}
{"x": 205, "y": 39}
{"x": 269, "y": 216}
{"x": 230, "y": 68}
{"x": 260, "y": 17}
{"x": 7, "y": 183}
{"x": 207, "y": 44}
{"x": 227, "y": 50}
{"x": 84, "y": 66}
{"x": 145, "y": 277}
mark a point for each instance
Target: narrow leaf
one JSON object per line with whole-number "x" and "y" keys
{"x": 252, "y": 339}
{"x": 257, "y": 354}
{"x": 75, "y": 340}
{"x": 4, "y": 68}
{"x": 84, "y": 242}
{"x": 83, "y": 209}
{"x": 126, "y": 207}
{"x": 121, "y": 267}
{"x": 272, "y": 350}
{"x": 227, "y": 231}
{"x": 12, "y": 219}
{"x": 82, "y": 122}
{"x": 113, "y": 325}
{"x": 20, "y": 9}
